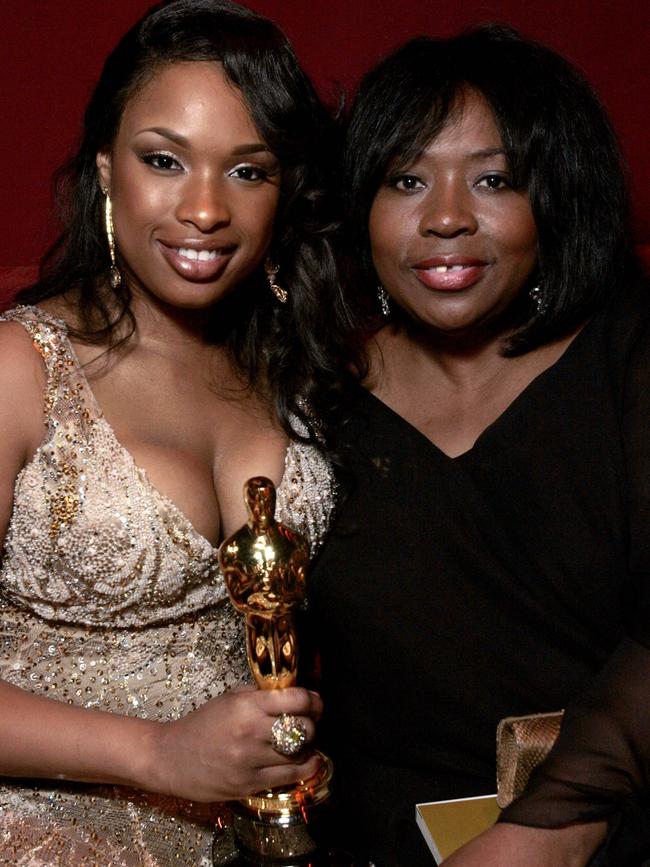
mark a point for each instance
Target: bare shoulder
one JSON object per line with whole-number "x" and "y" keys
{"x": 20, "y": 362}
{"x": 22, "y": 384}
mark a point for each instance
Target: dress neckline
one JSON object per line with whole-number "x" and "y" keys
{"x": 163, "y": 499}
{"x": 515, "y": 405}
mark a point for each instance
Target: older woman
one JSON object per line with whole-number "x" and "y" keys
{"x": 491, "y": 557}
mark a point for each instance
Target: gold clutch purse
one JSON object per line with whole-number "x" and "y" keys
{"x": 523, "y": 742}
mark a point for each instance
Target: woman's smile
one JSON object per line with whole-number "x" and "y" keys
{"x": 449, "y": 273}
{"x": 195, "y": 261}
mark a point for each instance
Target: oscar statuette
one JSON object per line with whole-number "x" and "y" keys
{"x": 264, "y": 567}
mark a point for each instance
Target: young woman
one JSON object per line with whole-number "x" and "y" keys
{"x": 491, "y": 556}
{"x": 150, "y": 372}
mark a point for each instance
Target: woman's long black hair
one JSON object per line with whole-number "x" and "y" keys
{"x": 287, "y": 351}
{"x": 560, "y": 148}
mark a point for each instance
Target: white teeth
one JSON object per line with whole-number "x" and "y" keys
{"x": 442, "y": 269}
{"x": 197, "y": 255}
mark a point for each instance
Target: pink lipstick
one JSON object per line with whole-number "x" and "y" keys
{"x": 449, "y": 273}
{"x": 197, "y": 260}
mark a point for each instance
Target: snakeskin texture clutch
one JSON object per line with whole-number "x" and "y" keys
{"x": 523, "y": 742}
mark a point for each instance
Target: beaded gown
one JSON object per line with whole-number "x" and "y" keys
{"x": 110, "y": 599}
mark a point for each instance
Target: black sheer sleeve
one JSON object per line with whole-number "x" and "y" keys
{"x": 602, "y": 756}
{"x": 600, "y": 766}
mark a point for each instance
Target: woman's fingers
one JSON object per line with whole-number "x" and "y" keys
{"x": 289, "y": 774}
{"x": 290, "y": 716}
{"x": 294, "y": 700}
{"x": 256, "y": 713}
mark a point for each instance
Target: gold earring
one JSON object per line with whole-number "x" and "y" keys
{"x": 115, "y": 276}
{"x": 271, "y": 275}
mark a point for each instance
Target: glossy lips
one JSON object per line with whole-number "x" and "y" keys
{"x": 449, "y": 273}
{"x": 197, "y": 261}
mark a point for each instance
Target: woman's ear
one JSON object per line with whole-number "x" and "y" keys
{"x": 103, "y": 163}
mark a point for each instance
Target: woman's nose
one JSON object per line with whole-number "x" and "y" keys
{"x": 448, "y": 211}
{"x": 204, "y": 204}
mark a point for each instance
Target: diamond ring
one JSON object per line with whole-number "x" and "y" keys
{"x": 288, "y": 734}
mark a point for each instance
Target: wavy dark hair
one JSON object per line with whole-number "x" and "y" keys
{"x": 288, "y": 351}
{"x": 559, "y": 144}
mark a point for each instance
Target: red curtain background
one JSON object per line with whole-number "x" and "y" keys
{"x": 51, "y": 52}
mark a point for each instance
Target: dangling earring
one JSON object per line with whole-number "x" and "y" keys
{"x": 383, "y": 300}
{"x": 536, "y": 294}
{"x": 272, "y": 272}
{"x": 115, "y": 277}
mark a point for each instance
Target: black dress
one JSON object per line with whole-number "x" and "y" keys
{"x": 455, "y": 592}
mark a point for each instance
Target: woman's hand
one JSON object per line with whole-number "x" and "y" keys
{"x": 223, "y": 751}
{"x": 522, "y": 846}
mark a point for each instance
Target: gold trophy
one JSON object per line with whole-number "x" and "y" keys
{"x": 264, "y": 565}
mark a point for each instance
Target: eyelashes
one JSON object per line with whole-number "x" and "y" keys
{"x": 495, "y": 181}
{"x": 249, "y": 172}
{"x": 161, "y": 160}
{"x": 405, "y": 182}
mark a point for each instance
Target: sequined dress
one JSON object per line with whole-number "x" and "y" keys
{"x": 110, "y": 599}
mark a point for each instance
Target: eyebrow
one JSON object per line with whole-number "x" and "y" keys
{"x": 177, "y": 138}
{"x": 487, "y": 153}
{"x": 252, "y": 148}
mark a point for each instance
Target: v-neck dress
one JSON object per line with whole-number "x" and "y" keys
{"x": 455, "y": 592}
{"x": 110, "y": 599}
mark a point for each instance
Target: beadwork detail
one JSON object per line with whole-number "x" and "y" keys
{"x": 110, "y": 599}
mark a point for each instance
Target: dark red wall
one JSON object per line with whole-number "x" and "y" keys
{"x": 51, "y": 51}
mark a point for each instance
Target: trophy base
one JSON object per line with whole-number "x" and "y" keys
{"x": 226, "y": 853}
{"x": 278, "y": 826}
